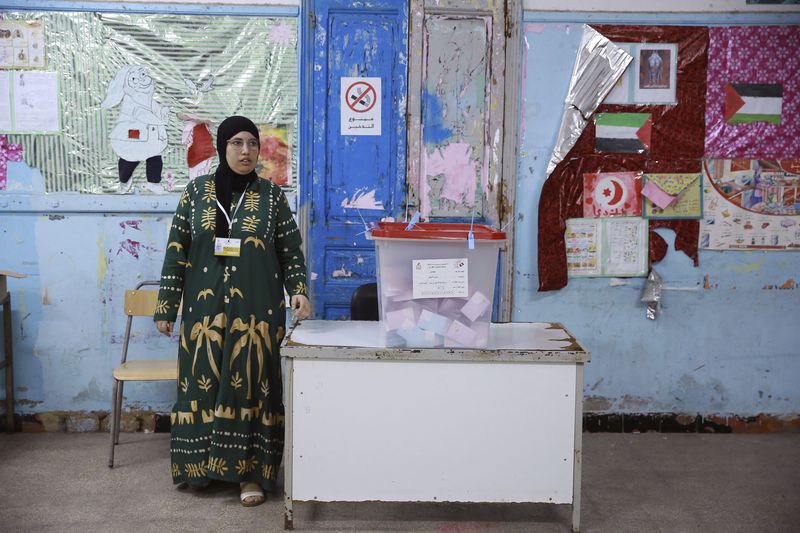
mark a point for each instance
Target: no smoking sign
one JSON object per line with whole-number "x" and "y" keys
{"x": 360, "y": 106}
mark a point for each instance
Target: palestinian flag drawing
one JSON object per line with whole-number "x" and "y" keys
{"x": 627, "y": 133}
{"x": 753, "y": 102}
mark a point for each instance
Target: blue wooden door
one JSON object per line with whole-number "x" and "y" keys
{"x": 350, "y": 180}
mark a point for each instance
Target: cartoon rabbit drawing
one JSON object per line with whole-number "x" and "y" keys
{"x": 140, "y": 133}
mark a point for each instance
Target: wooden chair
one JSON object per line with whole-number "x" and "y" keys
{"x": 137, "y": 303}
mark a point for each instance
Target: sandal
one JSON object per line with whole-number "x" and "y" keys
{"x": 251, "y": 494}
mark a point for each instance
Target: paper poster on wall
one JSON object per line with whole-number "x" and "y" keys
{"x": 360, "y": 106}
{"x": 21, "y": 45}
{"x": 6, "y": 124}
{"x": 606, "y": 247}
{"x": 582, "y": 241}
{"x": 656, "y": 75}
{"x": 35, "y": 102}
{"x": 752, "y": 94}
{"x": 751, "y": 205}
{"x": 621, "y": 93}
{"x": 651, "y": 78}
{"x": 274, "y": 157}
{"x": 673, "y": 196}
{"x": 753, "y": 102}
{"x": 623, "y": 133}
{"x": 608, "y": 194}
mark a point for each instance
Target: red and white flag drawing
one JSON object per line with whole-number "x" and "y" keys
{"x": 607, "y": 194}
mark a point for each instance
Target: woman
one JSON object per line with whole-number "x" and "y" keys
{"x": 233, "y": 247}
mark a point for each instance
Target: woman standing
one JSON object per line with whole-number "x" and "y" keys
{"x": 233, "y": 247}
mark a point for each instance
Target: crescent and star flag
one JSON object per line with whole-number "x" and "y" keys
{"x": 753, "y": 102}
{"x": 627, "y": 133}
{"x": 608, "y": 194}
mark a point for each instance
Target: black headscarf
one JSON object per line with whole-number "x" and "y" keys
{"x": 226, "y": 181}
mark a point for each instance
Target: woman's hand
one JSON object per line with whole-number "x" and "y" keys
{"x": 164, "y": 327}
{"x": 301, "y": 307}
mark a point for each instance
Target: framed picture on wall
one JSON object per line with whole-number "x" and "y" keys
{"x": 651, "y": 78}
{"x": 656, "y": 74}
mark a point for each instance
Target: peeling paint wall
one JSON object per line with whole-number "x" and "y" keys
{"x": 725, "y": 341}
{"x": 67, "y": 315}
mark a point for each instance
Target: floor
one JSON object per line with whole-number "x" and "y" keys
{"x": 650, "y": 482}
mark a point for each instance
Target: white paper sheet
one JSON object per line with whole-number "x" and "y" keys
{"x": 5, "y": 101}
{"x": 36, "y": 102}
{"x": 627, "y": 246}
{"x": 440, "y": 278}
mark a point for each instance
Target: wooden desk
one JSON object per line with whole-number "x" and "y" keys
{"x": 367, "y": 423}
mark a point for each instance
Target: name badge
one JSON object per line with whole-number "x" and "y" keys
{"x": 227, "y": 247}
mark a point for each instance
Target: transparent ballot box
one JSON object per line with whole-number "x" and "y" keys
{"x": 436, "y": 283}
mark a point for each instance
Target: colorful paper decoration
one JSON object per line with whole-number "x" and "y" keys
{"x": 8, "y": 152}
{"x": 753, "y": 55}
{"x": 625, "y": 133}
{"x": 754, "y": 208}
{"x": 673, "y": 196}
{"x": 609, "y": 194}
{"x": 606, "y": 247}
{"x": 753, "y": 102}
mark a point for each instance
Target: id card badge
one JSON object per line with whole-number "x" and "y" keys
{"x": 227, "y": 247}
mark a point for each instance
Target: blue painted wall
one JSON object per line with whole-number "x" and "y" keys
{"x": 728, "y": 349}
{"x": 731, "y": 348}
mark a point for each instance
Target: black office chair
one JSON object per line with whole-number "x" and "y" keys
{"x": 364, "y": 303}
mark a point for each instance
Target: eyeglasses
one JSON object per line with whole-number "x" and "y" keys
{"x": 239, "y": 144}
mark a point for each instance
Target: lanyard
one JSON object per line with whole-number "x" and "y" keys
{"x": 225, "y": 211}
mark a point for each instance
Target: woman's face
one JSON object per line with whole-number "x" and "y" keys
{"x": 242, "y": 152}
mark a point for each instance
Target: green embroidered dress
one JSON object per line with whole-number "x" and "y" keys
{"x": 228, "y": 421}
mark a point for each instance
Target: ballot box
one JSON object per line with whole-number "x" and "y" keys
{"x": 436, "y": 283}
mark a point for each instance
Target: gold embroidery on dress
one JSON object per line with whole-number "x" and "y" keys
{"x": 236, "y": 381}
{"x": 268, "y": 471}
{"x": 258, "y": 243}
{"x": 234, "y": 291}
{"x": 205, "y": 293}
{"x": 250, "y": 413}
{"x": 254, "y": 334}
{"x": 185, "y": 417}
{"x": 204, "y": 383}
{"x": 209, "y": 219}
{"x": 217, "y": 464}
{"x": 245, "y": 466}
{"x": 203, "y": 331}
{"x": 208, "y": 415}
{"x": 250, "y": 224}
{"x": 161, "y": 306}
{"x": 198, "y": 470}
{"x": 178, "y": 246}
{"x": 301, "y": 288}
{"x": 210, "y": 192}
{"x": 225, "y": 412}
{"x": 251, "y": 199}
{"x": 272, "y": 419}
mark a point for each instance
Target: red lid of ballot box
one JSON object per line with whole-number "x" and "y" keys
{"x": 436, "y": 231}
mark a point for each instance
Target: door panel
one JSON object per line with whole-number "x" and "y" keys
{"x": 454, "y": 162}
{"x": 351, "y": 180}
{"x": 463, "y": 92}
